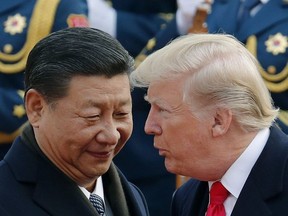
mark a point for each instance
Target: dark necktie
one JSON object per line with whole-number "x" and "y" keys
{"x": 98, "y": 203}
{"x": 247, "y": 6}
{"x": 218, "y": 194}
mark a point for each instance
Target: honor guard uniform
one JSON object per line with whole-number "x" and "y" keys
{"x": 23, "y": 23}
{"x": 265, "y": 35}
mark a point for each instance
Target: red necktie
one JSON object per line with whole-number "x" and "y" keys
{"x": 218, "y": 194}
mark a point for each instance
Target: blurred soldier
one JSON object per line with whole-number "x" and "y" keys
{"x": 23, "y": 23}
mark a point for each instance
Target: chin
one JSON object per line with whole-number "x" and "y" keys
{"x": 169, "y": 167}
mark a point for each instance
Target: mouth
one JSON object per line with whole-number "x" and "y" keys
{"x": 162, "y": 152}
{"x": 100, "y": 154}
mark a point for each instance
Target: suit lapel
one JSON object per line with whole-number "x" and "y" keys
{"x": 197, "y": 202}
{"x": 52, "y": 190}
{"x": 266, "y": 179}
{"x": 256, "y": 24}
{"x": 59, "y": 195}
{"x": 250, "y": 194}
{"x": 202, "y": 208}
{"x": 114, "y": 192}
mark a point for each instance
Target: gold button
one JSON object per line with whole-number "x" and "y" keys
{"x": 8, "y": 48}
{"x": 271, "y": 69}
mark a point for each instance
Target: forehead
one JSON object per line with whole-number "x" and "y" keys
{"x": 95, "y": 87}
{"x": 99, "y": 82}
{"x": 170, "y": 90}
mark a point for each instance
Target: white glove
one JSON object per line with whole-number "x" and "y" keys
{"x": 185, "y": 14}
{"x": 102, "y": 16}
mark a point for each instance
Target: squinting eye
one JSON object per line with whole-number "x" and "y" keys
{"x": 162, "y": 110}
{"x": 93, "y": 117}
{"x": 121, "y": 114}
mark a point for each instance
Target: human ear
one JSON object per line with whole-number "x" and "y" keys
{"x": 222, "y": 121}
{"x": 34, "y": 104}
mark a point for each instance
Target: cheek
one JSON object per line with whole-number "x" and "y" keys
{"x": 125, "y": 132}
{"x": 125, "y": 129}
{"x": 187, "y": 137}
{"x": 75, "y": 137}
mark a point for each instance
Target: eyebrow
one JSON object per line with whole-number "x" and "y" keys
{"x": 92, "y": 103}
{"x": 146, "y": 98}
{"x": 157, "y": 101}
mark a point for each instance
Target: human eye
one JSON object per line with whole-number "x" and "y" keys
{"x": 146, "y": 99}
{"x": 91, "y": 117}
{"x": 122, "y": 114}
{"x": 162, "y": 109}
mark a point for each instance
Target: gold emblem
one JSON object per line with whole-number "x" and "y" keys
{"x": 140, "y": 58}
{"x": 15, "y": 24}
{"x": 21, "y": 93}
{"x": 151, "y": 43}
{"x": 19, "y": 111}
{"x": 277, "y": 44}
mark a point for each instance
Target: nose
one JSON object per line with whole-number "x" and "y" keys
{"x": 151, "y": 125}
{"x": 108, "y": 135}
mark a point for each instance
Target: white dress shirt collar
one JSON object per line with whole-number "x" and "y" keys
{"x": 99, "y": 190}
{"x": 236, "y": 176}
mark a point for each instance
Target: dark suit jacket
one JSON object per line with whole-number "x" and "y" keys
{"x": 31, "y": 185}
{"x": 264, "y": 193}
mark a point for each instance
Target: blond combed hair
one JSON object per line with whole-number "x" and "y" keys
{"x": 217, "y": 69}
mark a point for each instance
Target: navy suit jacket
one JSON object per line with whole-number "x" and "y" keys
{"x": 31, "y": 185}
{"x": 264, "y": 193}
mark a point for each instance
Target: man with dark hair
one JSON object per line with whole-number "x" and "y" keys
{"x": 78, "y": 104}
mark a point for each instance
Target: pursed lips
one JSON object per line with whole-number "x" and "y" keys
{"x": 162, "y": 152}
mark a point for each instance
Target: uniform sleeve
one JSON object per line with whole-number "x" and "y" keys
{"x": 163, "y": 37}
{"x": 142, "y": 27}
